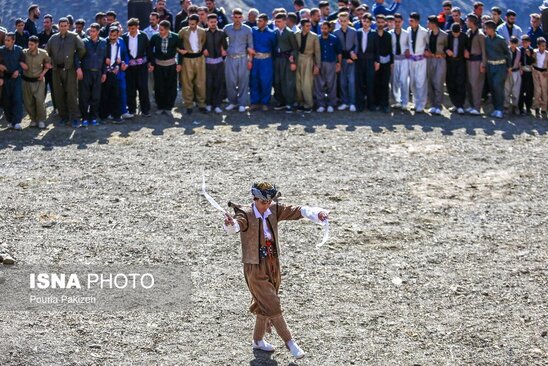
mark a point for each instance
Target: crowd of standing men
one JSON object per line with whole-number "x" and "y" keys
{"x": 315, "y": 59}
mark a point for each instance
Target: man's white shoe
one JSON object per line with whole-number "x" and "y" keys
{"x": 473, "y": 111}
{"x": 295, "y": 350}
{"x": 432, "y": 110}
{"x": 208, "y": 108}
{"x": 241, "y": 109}
{"x": 230, "y": 107}
{"x": 330, "y": 109}
{"x": 263, "y": 346}
{"x": 41, "y": 124}
{"x": 438, "y": 111}
{"x": 18, "y": 127}
{"x": 468, "y": 110}
{"x": 342, "y": 107}
{"x": 127, "y": 116}
{"x": 493, "y": 114}
{"x": 218, "y": 110}
{"x": 396, "y": 106}
{"x": 320, "y": 110}
{"x": 499, "y": 114}
{"x": 352, "y": 108}
{"x": 460, "y": 111}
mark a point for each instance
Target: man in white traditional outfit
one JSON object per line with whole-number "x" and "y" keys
{"x": 400, "y": 75}
{"x": 258, "y": 227}
{"x": 418, "y": 43}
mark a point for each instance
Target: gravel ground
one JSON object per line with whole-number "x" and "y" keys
{"x": 437, "y": 254}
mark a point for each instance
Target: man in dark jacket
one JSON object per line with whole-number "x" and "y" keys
{"x": 456, "y": 67}
{"x": 137, "y": 71}
{"x": 94, "y": 74}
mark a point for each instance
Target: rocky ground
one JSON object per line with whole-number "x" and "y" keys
{"x": 437, "y": 254}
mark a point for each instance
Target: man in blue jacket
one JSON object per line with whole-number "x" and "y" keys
{"x": 13, "y": 64}
{"x": 94, "y": 74}
{"x": 264, "y": 43}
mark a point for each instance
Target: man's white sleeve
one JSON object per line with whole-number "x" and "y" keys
{"x": 311, "y": 213}
{"x": 232, "y": 229}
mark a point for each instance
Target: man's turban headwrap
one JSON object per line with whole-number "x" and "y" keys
{"x": 264, "y": 191}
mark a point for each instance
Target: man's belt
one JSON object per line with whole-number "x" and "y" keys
{"x": 169, "y": 62}
{"x": 416, "y": 57}
{"x": 438, "y": 55}
{"x": 193, "y": 55}
{"x": 455, "y": 58}
{"x": 367, "y": 56}
{"x": 237, "y": 55}
{"x": 475, "y": 58}
{"x": 262, "y": 55}
{"x": 540, "y": 69}
{"x": 29, "y": 79}
{"x": 137, "y": 61}
{"x": 213, "y": 61}
{"x": 346, "y": 54}
{"x": 496, "y": 62}
{"x": 384, "y": 59}
{"x": 400, "y": 57}
{"x": 60, "y": 66}
{"x": 515, "y": 69}
{"x": 284, "y": 54}
{"x": 92, "y": 70}
{"x": 269, "y": 250}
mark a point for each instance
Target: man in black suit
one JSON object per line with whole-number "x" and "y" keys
{"x": 365, "y": 66}
{"x": 384, "y": 59}
{"x": 456, "y": 67}
{"x": 137, "y": 71}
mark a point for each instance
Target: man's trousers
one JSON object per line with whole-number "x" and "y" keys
{"x": 512, "y": 88}
{"x": 418, "y": 82}
{"x": 165, "y": 86}
{"x": 436, "y": 79}
{"x": 284, "y": 82}
{"x": 237, "y": 80}
{"x": 194, "y": 81}
{"x": 263, "y": 281}
{"x": 65, "y": 93}
{"x": 527, "y": 91}
{"x": 215, "y": 81}
{"x": 475, "y": 80}
{"x": 305, "y": 81}
{"x": 12, "y": 98}
{"x": 496, "y": 76}
{"x": 262, "y": 76}
{"x": 400, "y": 82}
{"x": 541, "y": 90}
{"x": 137, "y": 81}
{"x": 89, "y": 94}
{"x": 34, "y": 96}
{"x": 382, "y": 86}
{"x": 365, "y": 83}
{"x": 110, "y": 97}
{"x": 326, "y": 83}
{"x": 347, "y": 78}
{"x": 456, "y": 81}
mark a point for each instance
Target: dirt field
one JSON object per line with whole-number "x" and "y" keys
{"x": 438, "y": 250}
